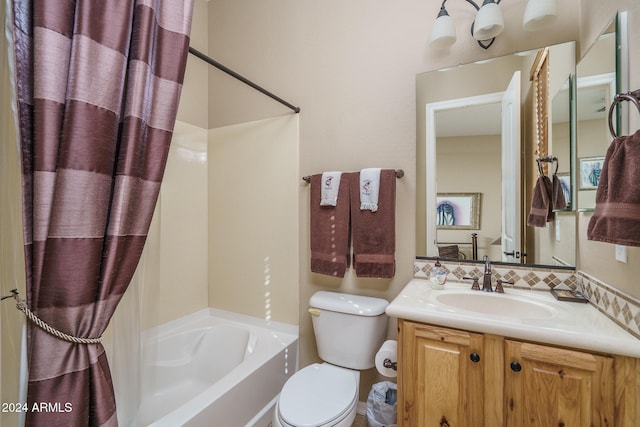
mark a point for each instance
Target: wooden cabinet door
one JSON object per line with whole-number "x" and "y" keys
{"x": 548, "y": 386}
{"x": 440, "y": 377}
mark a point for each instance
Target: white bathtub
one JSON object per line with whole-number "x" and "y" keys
{"x": 215, "y": 368}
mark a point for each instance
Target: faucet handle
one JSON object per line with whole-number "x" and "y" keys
{"x": 499, "y": 288}
{"x": 475, "y": 286}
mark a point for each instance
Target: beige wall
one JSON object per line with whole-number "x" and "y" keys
{"x": 253, "y": 218}
{"x": 11, "y": 249}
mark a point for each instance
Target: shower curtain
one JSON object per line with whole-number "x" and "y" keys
{"x": 98, "y": 84}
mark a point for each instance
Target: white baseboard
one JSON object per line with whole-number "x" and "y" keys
{"x": 361, "y": 408}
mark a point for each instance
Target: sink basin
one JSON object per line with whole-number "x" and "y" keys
{"x": 495, "y": 304}
{"x": 524, "y": 314}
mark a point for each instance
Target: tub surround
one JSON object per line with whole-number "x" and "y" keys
{"x": 253, "y": 229}
{"x": 615, "y": 305}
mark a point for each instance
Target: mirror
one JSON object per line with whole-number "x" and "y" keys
{"x": 465, "y": 146}
{"x": 597, "y": 82}
{"x": 563, "y": 136}
{"x": 555, "y": 244}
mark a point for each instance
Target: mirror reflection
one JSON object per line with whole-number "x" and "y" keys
{"x": 562, "y": 136}
{"x": 596, "y": 87}
{"x": 472, "y": 143}
{"x": 555, "y": 244}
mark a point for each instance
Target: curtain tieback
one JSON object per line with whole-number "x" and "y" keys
{"x": 22, "y": 306}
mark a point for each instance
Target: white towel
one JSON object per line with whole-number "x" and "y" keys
{"x": 329, "y": 190}
{"x": 369, "y": 188}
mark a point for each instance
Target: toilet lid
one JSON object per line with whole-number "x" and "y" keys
{"x": 317, "y": 394}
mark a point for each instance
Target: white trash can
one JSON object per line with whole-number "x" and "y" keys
{"x": 382, "y": 407}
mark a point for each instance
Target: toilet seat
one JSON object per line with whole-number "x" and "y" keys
{"x": 318, "y": 395}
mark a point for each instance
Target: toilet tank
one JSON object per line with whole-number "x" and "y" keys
{"x": 349, "y": 329}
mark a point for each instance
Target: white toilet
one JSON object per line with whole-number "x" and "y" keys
{"x": 349, "y": 330}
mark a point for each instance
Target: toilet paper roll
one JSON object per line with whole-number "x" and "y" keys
{"x": 388, "y": 350}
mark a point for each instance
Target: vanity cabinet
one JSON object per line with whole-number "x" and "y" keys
{"x": 447, "y": 386}
{"x": 449, "y": 377}
{"x": 557, "y": 387}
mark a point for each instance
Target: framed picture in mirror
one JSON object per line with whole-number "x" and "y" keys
{"x": 458, "y": 211}
{"x": 590, "y": 170}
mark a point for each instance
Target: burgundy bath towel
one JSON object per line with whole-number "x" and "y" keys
{"x": 541, "y": 210}
{"x": 329, "y": 230}
{"x": 617, "y": 215}
{"x": 374, "y": 233}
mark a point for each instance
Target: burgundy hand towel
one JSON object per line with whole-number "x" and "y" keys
{"x": 617, "y": 214}
{"x": 541, "y": 211}
{"x": 558, "y": 202}
{"x": 329, "y": 230}
{"x": 374, "y": 233}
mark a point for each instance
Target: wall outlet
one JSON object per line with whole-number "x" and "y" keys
{"x": 557, "y": 230}
{"x": 621, "y": 253}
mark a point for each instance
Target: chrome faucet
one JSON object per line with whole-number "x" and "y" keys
{"x": 486, "y": 279}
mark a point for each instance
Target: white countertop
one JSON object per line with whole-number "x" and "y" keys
{"x": 568, "y": 324}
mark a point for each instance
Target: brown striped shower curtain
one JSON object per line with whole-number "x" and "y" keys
{"x": 97, "y": 84}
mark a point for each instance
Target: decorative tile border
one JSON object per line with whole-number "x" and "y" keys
{"x": 619, "y": 307}
{"x": 523, "y": 277}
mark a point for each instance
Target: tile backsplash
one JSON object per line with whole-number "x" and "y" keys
{"x": 523, "y": 277}
{"x": 621, "y": 308}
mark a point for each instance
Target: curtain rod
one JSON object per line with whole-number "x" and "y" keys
{"x": 244, "y": 80}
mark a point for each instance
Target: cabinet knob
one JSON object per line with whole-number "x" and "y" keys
{"x": 516, "y": 367}
{"x": 475, "y": 357}
{"x": 444, "y": 422}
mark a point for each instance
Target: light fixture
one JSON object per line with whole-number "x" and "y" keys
{"x": 443, "y": 33}
{"x": 489, "y": 22}
{"x": 539, "y": 14}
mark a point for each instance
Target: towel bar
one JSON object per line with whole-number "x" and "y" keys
{"x": 548, "y": 159}
{"x": 399, "y": 174}
{"x": 633, "y": 97}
